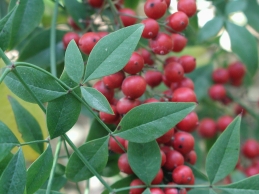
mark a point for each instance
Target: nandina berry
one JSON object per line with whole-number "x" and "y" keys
{"x": 166, "y": 81}
{"x": 250, "y": 148}
{"x": 166, "y": 137}
{"x": 126, "y": 19}
{"x": 158, "y": 178}
{"x": 220, "y": 76}
{"x": 150, "y": 100}
{"x": 96, "y": 3}
{"x": 182, "y": 175}
{"x": 185, "y": 82}
{"x": 179, "y": 42}
{"x": 173, "y": 159}
{"x": 187, "y": 6}
{"x": 155, "y": 190}
{"x": 135, "y": 64}
{"x": 163, "y": 157}
{"x": 170, "y": 190}
{"x": 123, "y": 164}
{"x": 223, "y": 122}
{"x": 109, "y": 118}
{"x": 191, "y": 157}
{"x": 178, "y": 21}
{"x": 168, "y": 2}
{"x": 162, "y": 44}
{"x": 133, "y": 86}
{"x": 189, "y": 123}
{"x": 153, "y": 78}
{"x": 102, "y": 33}
{"x": 236, "y": 70}
{"x": 124, "y": 105}
{"x": 108, "y": 93}
{"x": 171, "y": 59}
{"x": 174, "y": 72}
{"x": 251, "y": 171}
{"x": 151, "y": 28}
{"x": 73, "y": 24}
{"x": 146, "y": 56}
{"x": 184, "y": 95}
{"x": 188, "y": 63}
{"x": 88, "y": 41}
{"x": 114, "y": 80}
{"x": 70, "y": 36}
{"x": 217, "y": 92}
{"x": 155, "y": 9}
{"x": 183, "y": 142}
{"x": 136, "y": 182}
{"x": 114, "y": 146}
{"x": 207, "y": 128}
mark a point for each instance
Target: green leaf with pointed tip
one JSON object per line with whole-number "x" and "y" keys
{"x": 39, "y": 171}
{"x": 96, "y": 100}
{"x": 111, "y": 168}
{"x": 3, "y": 9}
{"x": 210, "y": 29}
{"x": 96, "y": 131}
{"x": 58, "y": 183}
{"x": 26, "y": 19}
{"x": 235, "y": 6}
{"x": 7, "y": 140}
{"x": 43, "y": 191}
{"x": 27, "y": 125}
{"x": 248, "y": 186}
{"x": 95, "y": 152}
{"x": 145, "y": 160}
{"x": 244, "y": 45}
{"x": 200, "y": 178}
{"x": 13, "y": 179}
{"x": 112, "y": 52}
{"x": 6, "y": 29}
{"x": 147, "y": 191}
{"x": 4, "y": 162}
{"x": 74, "y": 64}
{"x": 152, "y": 120}
{"x": 223, "y": 155}
{"x": 237, "y": 176}
{"x": 41, "y": 84}
{"x": 252, "y": 14}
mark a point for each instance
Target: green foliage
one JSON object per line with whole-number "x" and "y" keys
{"x": 96, "y": 131}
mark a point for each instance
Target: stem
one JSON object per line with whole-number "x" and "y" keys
{"x": 61, "y": 6}
{"x": 53, "y": 40}
{"x": 5, "y": 58}
{"x": 5, "y": 73}
{"x": 87, "y": 164}
{"x": 32, "y": 142}
{"x": 51, "y": 176}
{"x": 87, "y": 188}
{"x": 115, "y": 12}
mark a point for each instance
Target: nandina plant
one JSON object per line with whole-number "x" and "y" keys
{"x": 158, "y": 119}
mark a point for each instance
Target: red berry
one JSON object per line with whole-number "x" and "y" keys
{"x": 72, "y": 23}
{"x": 156, "y": 191}
{"x": 189, "y": 123}
{"x": 133, "y": 86}
{"x": 183, "y": 142}
{"x": 178, "y": 21}
{"x": 150, "y": 100}
{"x": 163, "y": 158}
{"x": 174, "y": 72}
{"x": 114, "y": 146}
{"x": 135, "y": 64}
{"x": 191, "y": 157}
{"x": 108, "y": 93}
{"x": 182, "y": 175}
{"x": 236, "y": 70}
{"x": 127, "y": 20}
{"x": 102, "y": 34}
{"x": 123, "y": 164}
{"x": 170, "y": 190}
{"x": 207, "y": 128}
{"x": 251, "y": 171}
{"x": 109, "y": 118}
{"x": 188, "y": 63}
{"x": 153, "y": 78}
{"x": 220, "y": 76}
{"x": 173, "y": 159}
{"x": 179, "y": 42}
{"x": 250, "y": 149}
{"x": 166, "y": 81}
{"x": 70, "y": 36}
{"x": 158, "y": 178}
{"x": 184, "y": 95}
{"x": 151, "y": 28}
{"x": 170, "y": 60}
{"x": 114, "y": 80}
{"x": 166, "y": 137}
{"x": 162, "y": 44}
{"x": 136, "y": 182}
{"x": 155, "y": 9}
{"x": 187, "y": 6}
{"x": 217, "y": 92}
{"x": 96, "y": 3}
{"x": 146, "y": 56}
{"x": 185, "y": 82}
{"x": 88, "y": 41}
{"x": 223, "y": 122}
{"x": 124, "y": 105}
{"x": 168, "y": 2}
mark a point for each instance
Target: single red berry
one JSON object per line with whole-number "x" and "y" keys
{"x": 191, "y": 157}
{"x": 72, "y": 23}
{"x": 189, "y": 123}
{"x": 236, "y": 70}
{"x": 109, "y": 118}
{"x": 166, "y": 137}
{"x": 187, "y": 6}
{"x": 182, "y": 175}
{"x": 158, "y": 178}
{"x": 170, "y": 190}
{"x": 150, "y": 100}
{"x": 155, "y": 9}
{"x": 70, "y": 36}
{"x": 136, "y": 182}
{"x": 223, "y": 122}
{"x": 163, "y": 157}
{"x": 173, "y": 159}
{"x": 102, "y": 34}
{"x": 156, "y": 191}
{"x": 133, "y": 86}
{"x": 108, "y": 93}
{"x": 114, "y": 80}
{"x": 207, "y": 128}
{"x": 135, "y": 64}
{"x": 251, "y": 171}
{"x": 178, "y": 21}
{"x": 174, "y": 72}
{"x": 146, "y": 56}
{"x": 220, "y": 76}
{"x": 88, "y": 41}
{"x": 124, "y": 105}
{"x": 179, "y": 42}
{"x": 162, "y": 44}
{"x": 170, "y": 60}
{"x": 126, "y": 19}
{"x": 250, "y": 148}
{"x": 166, "y": 81}
{"x": 217, "y": 92}
{"x": 168, "y": 2}
{"x": 151, "y": 28}
{"x": 188, "y": 63}
{"x": 184, "y": 95}
{"x": 183, "y": 142}
{"x": 114, "y": 146}
{"x": 185, "y": 82}
{"x": 96, "y": 3}
{"x": 236, "y": 82}
{"x": 123, "y": 164}
{"x": 153, "y": 78}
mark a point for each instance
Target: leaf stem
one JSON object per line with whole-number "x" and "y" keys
{"x": 51, "y": 176}
{"x": 115, "y": 12}
{"x": 87, "y": 164}
{"x": 4, "y": 74}
{"x": 5, "y": 58}
{"x": 32, "y": 142}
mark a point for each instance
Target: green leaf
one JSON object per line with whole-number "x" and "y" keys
{"x": 13, "y": 179}
{"x": 37, "y": 50}
{"x": 27, "y": 125}
{"x": 223, "y": 155}
{"x": 210, "y": 29}
{"x": 111, "y": 168}
{"x": 43, "y": 191}
{"x": 133, "y": 4}
{"x": 6, "y": 28}
{"x": 244, "y": 44}
{"x": 74, "y": 64}
{"x": 58, "y": 183}
{"x": 39, "y": 171}
{"x": 4, "y": 162}
{"x": 96, "y": 100}
{"x": 96, "y": 152}
{"x": 237, "y": 176}
{"x": 96, "y": 131}
{"x": 112, "y": 52}
{"x": 147, "y": 191}
{"x": 200, "y": 178}
{"x": 248, "y": 186}
{"x": 7, "y": 141}
{"x": 26, "y": 19}
{"x": 235, "y": 6}
{"x": 252, "y": 14}
{"x": 145, "y": 160}
{"x": 202, "y": 191}
{"x": 41, "y": 84}
{"x": 3, "y": 9}
{"x": 152, "y": 120}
